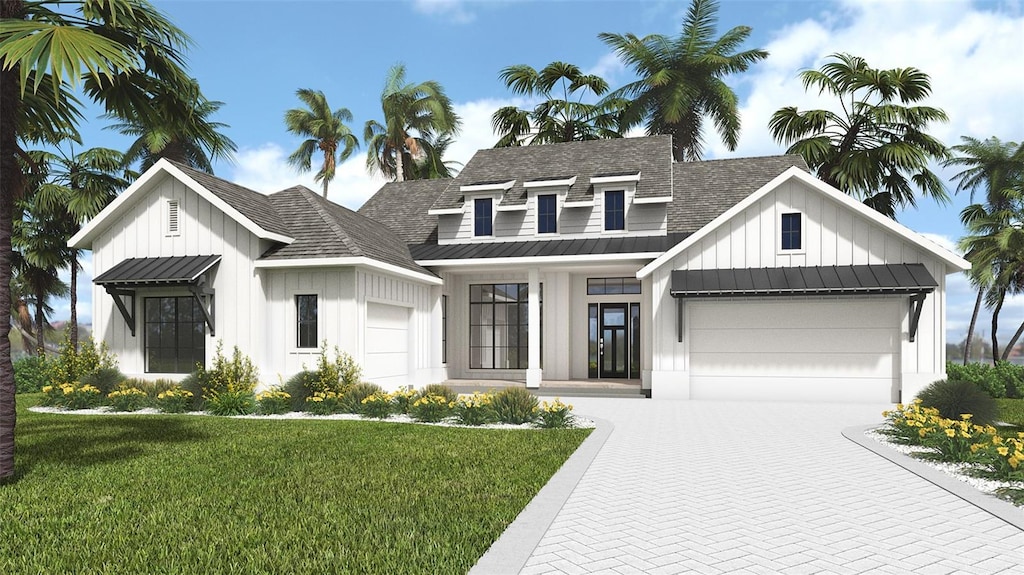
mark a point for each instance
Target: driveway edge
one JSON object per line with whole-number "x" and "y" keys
{"x": 997, "y": 507}
{"x": 513, "y": 548}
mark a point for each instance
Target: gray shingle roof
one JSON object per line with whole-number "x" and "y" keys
{"x": 251, "y": 204}
{"x": 706, "y": 189}
{"x": 543, "y": 248}
{"x": 651, "y": 156}
{"x": 323, "y": 229}
{"x": 403, "y": 208}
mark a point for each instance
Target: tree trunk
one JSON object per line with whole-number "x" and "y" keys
{"x": 967, "y": 343}
{"x": 73, "y": 331}
{"x": 995, "y": 325}
{"x": 1012, "y": 342}
{"x": 10, "y": 186}
{"x": 40, "y": 321}
{"x": 400, "y": 163}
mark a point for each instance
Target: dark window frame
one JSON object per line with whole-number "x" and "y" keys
{"x": 791, "y": 234}
{"x": 615, "y": 212}
{"x": 613, "y": 286}
{"x": 302, "y": 325}
{"x": 547, "y": 215}
{"x": 491, "y": 307}
{"x": 183, "y": 316}
{"x": 483, "y": 223}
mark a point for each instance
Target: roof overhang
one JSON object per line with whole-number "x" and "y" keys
{"x": 489, "y": 187}
{"x": 148, "y": 272}
{"x": 536, "y": 261}
{"x": 616, "y": 179}
{"x": 358, "y": 261}
{"x": 886, "y": 279}
{"x": 562, "y": 182}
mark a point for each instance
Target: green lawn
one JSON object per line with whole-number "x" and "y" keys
{"x": 1011, "y": 411}
{"x": 191, "y": 494}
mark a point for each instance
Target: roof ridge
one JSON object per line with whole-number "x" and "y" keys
{"x": 735, "y": 159}
{"x": 315, "y": 201}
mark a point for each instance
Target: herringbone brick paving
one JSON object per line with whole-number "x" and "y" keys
{"x": 717, "y": 487}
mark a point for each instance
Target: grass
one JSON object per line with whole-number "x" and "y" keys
{"x": 190, "y": 494}
{"x": 1011, "y": 411}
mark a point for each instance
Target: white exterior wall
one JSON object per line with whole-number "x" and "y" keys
{"x": 832, "y": 235}
{"x": 573, "y": 222}
{"x": 204, "y": 230}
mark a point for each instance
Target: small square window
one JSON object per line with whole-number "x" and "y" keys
{"x": 547, "y": 216}
{"x": 791, "y": 232}
{"x": 615, "y": 210}
{"x": 483, "y": 224}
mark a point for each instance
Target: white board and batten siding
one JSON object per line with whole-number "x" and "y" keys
{"x": 203, "y": 230}
{"x": 573, "y": 222}
{"x": 832, "y": 235}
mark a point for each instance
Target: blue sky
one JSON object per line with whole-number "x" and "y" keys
{"x": 254, "y": 54}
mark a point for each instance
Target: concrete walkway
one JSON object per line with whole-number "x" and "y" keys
{"x": 716, "y": 487}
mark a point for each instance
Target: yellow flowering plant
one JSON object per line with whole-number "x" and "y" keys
{"x": 378, "y": 405}
{"x": 323, "y": 403}
{"x": 72, "y": 396}
{"x": 403, "y": 397}
{"x": 126, "y": 398}
{"x": 273, "y": 402}
{"x": 173, "y": 400}
{"x": 430, "y": 408}
{"x": 554, "y": 414}
{"x": 475, "y": 409}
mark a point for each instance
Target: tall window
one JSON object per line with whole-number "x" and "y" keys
{"x": 791, "y": 232}
{"x": 305, "y": 320}
{"x": 175, "y": 334}
{"x": 482, "y": 221}
{"x": 547, "y": 215}
{"x": 615, "y": 210}
{"x": 498, "y": 326}
{"x": 444, "y": 329}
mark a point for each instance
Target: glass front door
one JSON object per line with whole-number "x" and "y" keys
{"x": 614, "y": 333}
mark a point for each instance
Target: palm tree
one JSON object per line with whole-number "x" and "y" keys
{"x": 433, "y": 166}
{"x": 555, "y": 119}
{"x": 175, "y": 125}
{"x": 44, "y": 53}
{"x": 991, "y": 165}
{"x": 415, "y": 115}
{"x": 875, "y": 147}
{"x": 681, "y": 80}
{"x": 324, "y": 130}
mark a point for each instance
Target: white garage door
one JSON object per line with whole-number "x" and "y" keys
{"x": 387, "y": 345}
{"x": 794, "y": 350}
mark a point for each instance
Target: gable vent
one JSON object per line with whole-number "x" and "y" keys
{"x": 173, "y": 218}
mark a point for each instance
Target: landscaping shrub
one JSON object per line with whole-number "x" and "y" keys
{"x": 72, "y": 365}
{"x": 439, "y": 389}
{"x": 378, "y": 405}
{"x": 515, "y": 405}
{"x": 473, "y": 409}
{"x": 152, "y": 388}
{"x": 237, "y": 402}
{"x": 273, "y": 402}
{"x": 403, "y": 398}
{"x": 953, "y": 398}
{"x": 335, "y": 375}
{"x": 323, "y": 403}
{"x": 127, "y": 398}
{"x": 72, "y": 396}
{"x": 554, "y": 415}
{"x": 1005, "y": 379}
{"x": 298, "y": 387}
{"x": 352, "y": 399}
{"x": 174, "y": 400}
{"x": 237, "y": 374}
{"x": 193, "y": 383}
{"x": 1011, "y": 376}
{"x": 430, "y": 408}
{"x": 30, "y": 374}
{"x": 105, "y": 378}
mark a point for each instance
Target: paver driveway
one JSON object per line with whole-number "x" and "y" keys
{"x": 725, "y": 487}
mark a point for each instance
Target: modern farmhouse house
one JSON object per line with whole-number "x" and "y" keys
{"x": 742, "y": 278}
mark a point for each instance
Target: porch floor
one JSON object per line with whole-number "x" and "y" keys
{"x": 561, "y": 387}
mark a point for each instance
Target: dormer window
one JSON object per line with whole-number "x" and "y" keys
{"x": 483, "y": 220}
{"x": 791, "y": 232}
{"x": 615, "y": 210}
{"x": 547, "y": 214}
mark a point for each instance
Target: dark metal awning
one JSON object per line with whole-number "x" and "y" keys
{"x": 814, "y": 280}
{"x": 137, "y": 272}
{"x": 123, "y": 279}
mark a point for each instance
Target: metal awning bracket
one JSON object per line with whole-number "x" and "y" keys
{"x": 127, "y": 312}
{"x": 203, "y": 295}
{"x": 916, "y": 303}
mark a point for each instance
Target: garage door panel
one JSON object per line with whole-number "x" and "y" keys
{"x": 791, "y": 388}
{"x": 876, "y": 340}
{"x": 793, "y": 364}
{"x": 386, "y": 338}
{"x": 383, "y": 365}
{"x": 803, "y": 314}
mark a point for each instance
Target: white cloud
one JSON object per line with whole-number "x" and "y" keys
{"x": 454, "y": 10}
{"x": 608, "y": 67}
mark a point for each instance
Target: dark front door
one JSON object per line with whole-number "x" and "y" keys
{"x": 614, "y": 344}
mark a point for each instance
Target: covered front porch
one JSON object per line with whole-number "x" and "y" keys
{"x": 556, "y": 388}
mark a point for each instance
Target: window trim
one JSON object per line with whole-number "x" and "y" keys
{"x": 604, "y": 211}
{"x": 523, "y": 348}
{"x": 477, "y": 218}
{"x": 145, "y": 330}
{"x": 802, "y": 220}
{"x": 537, "y": 220}
{"x": 297, "y": 322}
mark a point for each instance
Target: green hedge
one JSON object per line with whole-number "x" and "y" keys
{"x": 1004, "y": 380}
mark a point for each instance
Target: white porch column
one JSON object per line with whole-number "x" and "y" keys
{"x": 533, "y": 372}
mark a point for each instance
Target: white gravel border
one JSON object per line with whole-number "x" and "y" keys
{"x": 578, "y": 422}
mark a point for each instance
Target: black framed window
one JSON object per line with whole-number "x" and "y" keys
{"x": 615, "y": 210}
{"x": 444, "y": 329}
{"x": 175, "y": 336}
{"x": 612, "y": 286}
{"x": 499, "y": 326}
{"x": 791, "y": 232}
{"x": 483, "y": 223}
{"x": 306, "y": 320}
{"x": 547, "y": 214}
